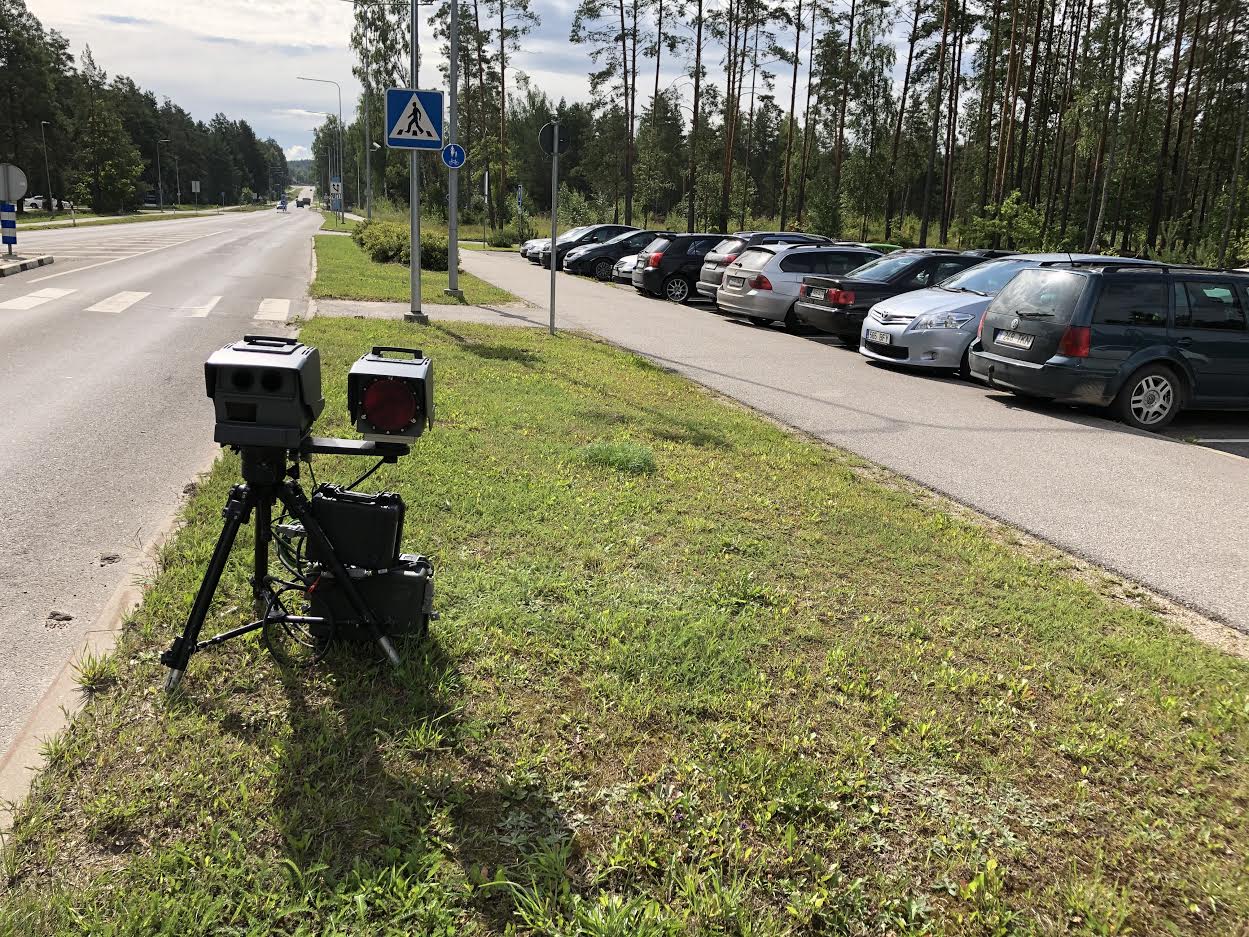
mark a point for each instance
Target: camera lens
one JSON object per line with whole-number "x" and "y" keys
{"x": 271, "y": 380}
{"x": 242, "y": 379}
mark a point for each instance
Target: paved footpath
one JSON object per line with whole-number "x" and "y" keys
{"x": 1158, "y": 510}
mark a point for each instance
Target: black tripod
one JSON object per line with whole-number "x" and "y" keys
{"x": 269, "y": 479}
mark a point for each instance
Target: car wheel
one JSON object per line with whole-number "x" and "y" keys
{"x": 603, "y": 270}
{"x": 1150, "y": 398}
{"x": 759, "y": 320}
{"x": 676, "y": 289}
{"x": 964, "y": 365}
{"x": 790, "y": 321}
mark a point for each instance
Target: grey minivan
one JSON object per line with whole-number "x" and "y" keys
{"x": 1145, "y": 340}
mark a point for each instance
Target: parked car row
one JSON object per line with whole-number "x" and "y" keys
{"x": 40, "y": 203}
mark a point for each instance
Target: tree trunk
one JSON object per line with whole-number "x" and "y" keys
{"x": 750, "y": 128}
{"x": 897, "y": 130}
{"x": 807, "y": 134}
{"x": 789, "y": 133}
{"x": 1235, "y": 183}
{"x": 503, "y": 112}
{"x": 733, "y": 81}
{"x": 987, "y": 96}
{"x": 628, "y": 117}
{"x": 845, "y": 94}
{"x": 481, "y": 93}
{"x": 1155, "y": 214}
{"x": 1121, "y": 41}
{"x": 951, "y": 130}
{"x": 693, "y": 136}
{"x": 925, "y": 207}
{"x": 1030, "y": 96}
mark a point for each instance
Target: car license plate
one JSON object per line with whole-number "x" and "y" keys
{"x": 816, "y": 293}
{"x": 1014, "y": 339}
{"x": 736, "y": 281}
{"x": 881, "y": 338}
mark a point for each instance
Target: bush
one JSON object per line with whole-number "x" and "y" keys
{"x": 433, "y": 252}
{"x": 384, "y": 241}
{"x": 503, "y": 238}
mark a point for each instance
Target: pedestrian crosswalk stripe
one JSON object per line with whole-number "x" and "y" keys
{"x": 118, "y": 302}
{"x": 273, "y": 310}
{"x": 37, "y": 298}
{"x": 201, "y": 312}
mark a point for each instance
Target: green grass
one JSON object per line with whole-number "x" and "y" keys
{"x": 751, "y": 692}
{"x": 344, "y": 271}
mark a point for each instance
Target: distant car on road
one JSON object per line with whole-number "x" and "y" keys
{"x": 587, "y": 236}
{"x": 669, "y": 265}
{"x": 1147, "y": 340}
{"x": 762, "y": 283}
{"x": 839, "y": 304}
{"x": 728, "y": 249}
{"x": 934, "y": 327}
{"x": 599, "y": 260}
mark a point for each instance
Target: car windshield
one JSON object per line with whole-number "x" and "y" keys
{"x": 753, "y": 259}
{"x": 987, "y": 278}
{"x": 1041, "y": 294}
{"x": 622, "y": 236}
{"x": 728, "y": 246}
{"x": 881, "y": 269}
{"x": 572, "y": 235}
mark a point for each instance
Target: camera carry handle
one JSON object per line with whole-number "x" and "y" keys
{"x": 265, "y": 482}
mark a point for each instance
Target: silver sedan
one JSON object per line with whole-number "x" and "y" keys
{"x": 762, "y": 283}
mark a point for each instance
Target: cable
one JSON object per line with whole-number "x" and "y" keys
{"x": 375, "y": 467}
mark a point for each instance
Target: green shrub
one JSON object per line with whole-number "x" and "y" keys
{"x": 357, "y": 232}
{"x": 433, "y": 252}
{"x": 503, "y": 238}
{"x": 390, "y": 242}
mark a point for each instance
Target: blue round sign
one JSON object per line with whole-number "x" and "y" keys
{"x": 453, "y": 155}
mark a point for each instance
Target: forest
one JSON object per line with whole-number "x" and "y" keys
{"x": 1060, "y": 124}
{"x": 101, "y": 135}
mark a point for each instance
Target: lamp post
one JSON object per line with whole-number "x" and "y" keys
{"x": 327, "y": 81}
{"x": 47, "y": 173}
{"x": 160, "y": 183}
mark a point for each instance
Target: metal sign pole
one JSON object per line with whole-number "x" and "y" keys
{"x": 453, "y": 180}
{"x": 414, "y": 194}
{"x": 554, "y": 211}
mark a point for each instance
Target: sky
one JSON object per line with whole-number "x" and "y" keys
{"x": 243, "y": 57}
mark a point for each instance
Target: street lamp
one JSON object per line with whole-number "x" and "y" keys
{"x": 327, "y": 81}
{"x": 47, "y": 173}
{"x": 160, "y": 183}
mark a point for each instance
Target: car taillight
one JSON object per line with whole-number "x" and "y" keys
{"x": 759, "y": 282}
{"x": 802, "y": 289}
{"x": 728, "y": 259}
{"x": 1075, "y": 341}
{"x": 654, "y": 259}
{"x": 841, "y": 297}
{"x": 980, "y": 328}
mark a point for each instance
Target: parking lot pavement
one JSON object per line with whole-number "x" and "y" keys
{"x": 1162, "y": 510}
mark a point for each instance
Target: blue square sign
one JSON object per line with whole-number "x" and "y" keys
{"x": 413, "y": 119}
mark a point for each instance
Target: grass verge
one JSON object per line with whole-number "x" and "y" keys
{"x": 344, "y": 271}
{"x": 746, "y": 691}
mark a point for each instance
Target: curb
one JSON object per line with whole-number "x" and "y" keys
{"x": 29, "y": 264}
{"x": 62, "y": 700}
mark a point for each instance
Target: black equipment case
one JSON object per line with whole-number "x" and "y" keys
{"x": 364, "y": 528}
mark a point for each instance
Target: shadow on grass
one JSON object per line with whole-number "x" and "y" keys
{"x": 492, "y": 352}
{"x": 377, "y": 786}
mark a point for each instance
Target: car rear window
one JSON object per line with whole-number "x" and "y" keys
{"x": 728, "y": 246}
{"x": 754, "y": 259}
{"x": 656, "y": 245}
{"x": 1208, "y": 304}
{"x": 1051, "y": 295}
{"x": 1132, "y": 301}
{"x": 882, "y": 268}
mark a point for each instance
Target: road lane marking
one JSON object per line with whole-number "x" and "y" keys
{"x": 118, "y": 302}
{"x": 201, "y": 312}
{"x": 273, "y": 310}
{"x": 37, "y": 298}
{"x": 65, "y": 273}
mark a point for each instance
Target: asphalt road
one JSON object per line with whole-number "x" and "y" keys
{"x": 104, "y": 414}
{"x": 1166, "y": 511}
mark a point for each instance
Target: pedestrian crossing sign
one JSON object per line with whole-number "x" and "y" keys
{"x": 413, "y": 119}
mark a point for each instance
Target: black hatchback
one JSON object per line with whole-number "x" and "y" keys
{"x": 1145, "y": 340}
{"x": 578, "y": 237}
{"x": 669, "y": 265}
{"x": 599, "y": 260}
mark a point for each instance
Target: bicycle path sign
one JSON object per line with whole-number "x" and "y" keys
{"x": 413, "y": 119}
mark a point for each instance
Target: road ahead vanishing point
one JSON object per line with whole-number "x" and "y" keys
{"x": 101, "y": 384}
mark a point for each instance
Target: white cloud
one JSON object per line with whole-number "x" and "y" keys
{"x": 298, "y": 152}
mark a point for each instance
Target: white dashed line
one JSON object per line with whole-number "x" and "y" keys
{"x": 201, "y": 312}
{"x": 273, "y": 310}
{"x": 118, "y": 302}
{"x": 37, "y": 298}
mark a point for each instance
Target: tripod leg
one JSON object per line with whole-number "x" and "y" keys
{"x": 291, "y": 495}
{"x": 238, "y": 506}
{"x": 260, "y": 554}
